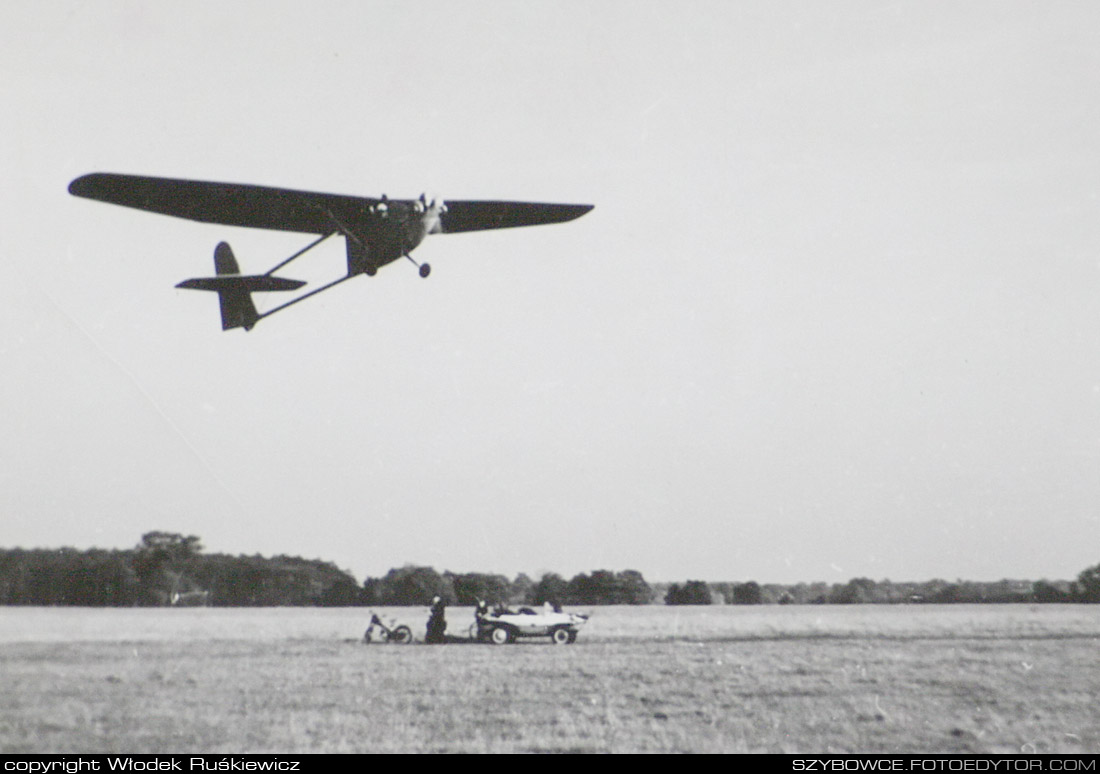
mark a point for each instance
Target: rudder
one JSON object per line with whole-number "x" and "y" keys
{"x": 237, "y": 308}
{"x": 224, "y": 260}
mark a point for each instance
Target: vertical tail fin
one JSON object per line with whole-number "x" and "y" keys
{"x": 237, "y": 308}
{"x": 224, "y": 261}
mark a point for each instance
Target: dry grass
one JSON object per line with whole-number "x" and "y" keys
{"x": 805, "y": 679}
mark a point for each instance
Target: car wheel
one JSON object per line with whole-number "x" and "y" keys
{"x": 402, "y": 635}
{"x": 502, "y": 636}
{"x": 560, "y": 637}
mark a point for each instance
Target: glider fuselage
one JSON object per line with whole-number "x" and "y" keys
{"x": 390, "y": 230}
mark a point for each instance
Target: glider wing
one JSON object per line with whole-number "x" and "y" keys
{"x": 231, "y": 204}
{"x": 480, "y": 216}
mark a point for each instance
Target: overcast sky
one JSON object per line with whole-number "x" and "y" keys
{"x": 836, "y": 312}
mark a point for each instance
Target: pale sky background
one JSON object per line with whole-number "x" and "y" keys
{"x": 836, "y": 312}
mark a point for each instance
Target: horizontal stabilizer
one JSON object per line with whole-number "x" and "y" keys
{"x": 256, "y": 283}
{"x": 235, "y": 291}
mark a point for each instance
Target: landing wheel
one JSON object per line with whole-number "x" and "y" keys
{"x": 425, "y": 270}
{"x": 370, "y": 271}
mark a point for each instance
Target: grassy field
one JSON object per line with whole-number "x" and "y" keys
{"x": 714, "y": 679}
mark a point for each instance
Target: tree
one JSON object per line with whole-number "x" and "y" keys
{"x": 1045, "y": 591}
{"x": 339, "y": 589}
{"x": 92, "y": 578}
{"x": 1088, "y": 584}
{"x": 604, "y": 587}
{"x": 171, "y": 545}
{"x": 473, "y": 586}
{"x": 856, "y": 591}
{"x": 633, "y": 588}
{"x": 551, "y": 588}
{"x": 747, "y": 594}
{"x": 408, "y": 585}
{"x": 520, "y": 589}
{"x": 160, "y": 561}
{"x": 693, "y": 592}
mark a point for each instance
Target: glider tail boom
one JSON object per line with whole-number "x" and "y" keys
{"x": 235, "y": 291}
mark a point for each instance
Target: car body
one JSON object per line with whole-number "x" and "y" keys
{"x": 503, "y": 626}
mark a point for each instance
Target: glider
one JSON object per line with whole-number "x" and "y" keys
{"x": 376, "y": 231}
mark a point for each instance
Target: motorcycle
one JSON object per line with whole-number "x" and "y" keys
{"x": 378, "y": 631}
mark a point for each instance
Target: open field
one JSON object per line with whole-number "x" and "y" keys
{"x": 723, "y": 679}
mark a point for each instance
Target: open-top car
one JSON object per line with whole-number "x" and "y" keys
{"x": 502, "y": 625}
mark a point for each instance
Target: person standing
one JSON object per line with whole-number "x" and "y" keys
{"x": 437, "y": 623}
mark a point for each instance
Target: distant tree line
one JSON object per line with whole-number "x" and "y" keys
{"x": 867, "y": 591}
{"x": 412, "y": 585}
{"x": 166, "y": 568}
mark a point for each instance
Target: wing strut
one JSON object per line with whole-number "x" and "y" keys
{"x": 310, "y": 246}
{"x": 358, "y": 250}
{"x": 347, "y": 232}
{"x": 304, "y": 296}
